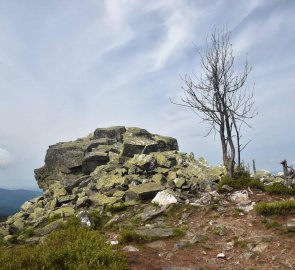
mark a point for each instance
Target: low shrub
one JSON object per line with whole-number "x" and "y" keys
{"x": 270, "y": 223}
{"x": 118, "y": 207}
{"x": 279, "y": 188}
{"x": 178, "y": 232}
{"x": 240, "y": 182}
{"x": 128, "y": 235}
{"x": 71, "y": 247}
{"x": 255, "y": 183}
{"x": 97, "y": 220}
{"x": 275, "y": 208}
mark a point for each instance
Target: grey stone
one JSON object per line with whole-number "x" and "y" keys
{"x": 181, "y": 268}
{"x": 164, "y": 198}
{"x": 180, "y": 245}
{"x": 34, "y": 239}
{"x": 227, "y": 188}
{"x": 199, "y": 238}
{"x": 92, "y": 160}
{"x": 247, "y": 255}
{"x": 152, "y": 213}
{"x": 239, "y": 196}
{"x": 179, "y": 182}
{"x": 221, "y": 256}
{"x": 83, "y": 201}
{"x": 260, "y": 247}
{"x": 84, "y": 218}
{"x": 157, "y": 245}
{"x": 155, "y": 232}
{"x": 70, "y": 183}
{"x": 102, "y": 141}
{"x": 26, "y": 205}
{"x": 291, "y": 225}
{"x": 143, "y": 191}
{"x": 115, "y": 133}
{"x": 67, "y": 199}
{"x": 48, "y": 228}
{"x": 130, "y": 248}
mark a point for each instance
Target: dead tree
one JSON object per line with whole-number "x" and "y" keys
{"x": 289, "y": 173}
{"x": 219, "y": 96}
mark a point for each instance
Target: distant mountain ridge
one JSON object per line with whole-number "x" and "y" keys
{"x": 11, "y": 200}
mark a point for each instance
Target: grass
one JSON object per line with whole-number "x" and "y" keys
{"x": 127, "y": 235}
{"x": 71, "y": 247}
{"x": 118, "y": 207}
{"x": 275, "y": 208}
{"x": 244, "y": 181}
{"x": 239, "y": 243}
{"x": 240, "y": 182}
{"x": 279, "y": 188}
{"x": 270, "y": 223}
{"x": 178, "y": 232}
{"x": 97, "y": 220}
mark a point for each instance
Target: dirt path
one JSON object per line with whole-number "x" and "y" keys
{"x": 244, "y": 239}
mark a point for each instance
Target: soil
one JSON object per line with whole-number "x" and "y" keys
{"x": 244, "y": 238}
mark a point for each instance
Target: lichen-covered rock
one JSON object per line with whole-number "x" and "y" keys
{"x": 179, "y": 182}
{"x": 165, "y": 159}
{"x": 109, "y": 181}
{"x": 64, "y": 211}
{"x": 115, "y": 133}
{"x": 92, "y": 160}
{"x": 114, "y": 166}
{"x": 291, "y": 225}
{"x": 239, "y": 196}
{"x": 26, "y": 205}
{"x": 157, "y": 233}
{"x": 101, "y": 199}
{"x": 140, "y": 141}
{"x": 68, "y": 161}
{"x": 144, "y": 191}
{"x": 48, "y": 228}
{"x": 142, "y": 161}
{"x": 159, "y": 178}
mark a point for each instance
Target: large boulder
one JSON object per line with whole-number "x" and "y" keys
{"x": 109, "y": 181}
{"x": 143, "y": 191}
{"x": 140, "y": 141}
{"x": 68, "y": 161}
{"x": 115, "y": 133}
{"x": 92, "y": 160}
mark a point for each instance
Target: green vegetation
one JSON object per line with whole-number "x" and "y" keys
{"x": 275, "y": 208}
{"x": 270, "y": 223}
{"x": 239, "y": 182}
{"x": 178, "y": 232}
{"x": 118, "y": 207}
{"x": 239, "y": 243}
{"x": 128, "y": 235}
{"x": 279, "y": 188}
{"x": 96, "y": 219}
{"x": 71, "y": 247}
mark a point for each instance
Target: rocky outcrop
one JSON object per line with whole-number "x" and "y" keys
{"x": 113, "y": 166}
{"x": 69, "y": 161}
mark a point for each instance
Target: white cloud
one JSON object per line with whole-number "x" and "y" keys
{"x": 6, "y": 158}
{"x": 75, "y": 66}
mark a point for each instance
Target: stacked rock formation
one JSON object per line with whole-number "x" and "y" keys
{"x": 112, "y": 166}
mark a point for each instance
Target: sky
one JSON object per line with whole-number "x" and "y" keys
{"x": 68, "y": 67}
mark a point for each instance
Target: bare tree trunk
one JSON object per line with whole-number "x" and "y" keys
{"x": 220, "y": 97}
{"x": 254, "y": 166}
{"x": 288, "y": 174}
